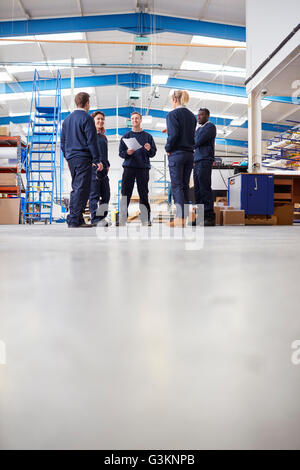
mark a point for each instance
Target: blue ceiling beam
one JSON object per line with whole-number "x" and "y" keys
{"x": 136, "y": 80}
{"x": 134, "y": 23}
{"x": 156, "y": 113}
{"x": 284, "y": 99}
{"x": 206, "y": 87}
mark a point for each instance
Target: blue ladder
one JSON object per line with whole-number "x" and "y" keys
{"x": 44, "y": 164}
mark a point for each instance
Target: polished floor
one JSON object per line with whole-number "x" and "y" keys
{"x": 144, "y": 344}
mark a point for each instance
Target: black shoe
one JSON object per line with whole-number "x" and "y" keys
{"x": 209, "y": 222}
{"x": 80, "y": 226}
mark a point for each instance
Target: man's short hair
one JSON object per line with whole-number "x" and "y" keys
{"x": 81, "y": 99}
{"x": 207, "y": 112}
{"x": 136, "y": 112}
{"x": 95, "y": 113}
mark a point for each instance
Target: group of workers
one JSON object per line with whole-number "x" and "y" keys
{"x": 84, "y": 146}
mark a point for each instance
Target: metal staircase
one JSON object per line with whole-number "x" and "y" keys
{"x": 44, "y": 163}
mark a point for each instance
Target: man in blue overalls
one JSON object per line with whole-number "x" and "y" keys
{"x": 79, "y": 147}
{"x": 203, "y": 162}
{"x": 100, "y": 189}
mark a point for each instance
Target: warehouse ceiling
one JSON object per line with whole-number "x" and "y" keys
{"x": 211, "y": 66}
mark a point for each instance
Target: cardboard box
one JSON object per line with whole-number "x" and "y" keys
{"x": 218, "y": 208}
{"x": 8, "y": 179}
{"x": 221, "y": 199}
{"x": 4, "y": 130}
{"x": 9, "y": 210}
{"x": 220, "y": 216}
{"x": 284, "y": 213}
{"x": 233, "y": 217}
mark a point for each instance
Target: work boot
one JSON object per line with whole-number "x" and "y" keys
{"x": 84, "y": 225}
{"x": 209, "y": 222}
{"x": 178, "y": 222}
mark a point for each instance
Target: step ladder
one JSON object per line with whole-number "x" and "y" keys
{"x": 44, "y": 164}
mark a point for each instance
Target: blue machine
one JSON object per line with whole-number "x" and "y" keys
{"x": 252, "y": 192}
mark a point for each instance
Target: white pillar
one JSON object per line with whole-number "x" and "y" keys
{"x": 72, "y": 104}
{"x": 254, "y": 132}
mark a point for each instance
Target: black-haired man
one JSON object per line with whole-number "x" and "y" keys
{"x": 203, "y": 161}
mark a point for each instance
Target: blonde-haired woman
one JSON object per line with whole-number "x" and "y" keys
{"x": 181, "y": 125}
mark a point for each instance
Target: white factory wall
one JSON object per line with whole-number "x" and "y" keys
{"x": 268, "y": 23}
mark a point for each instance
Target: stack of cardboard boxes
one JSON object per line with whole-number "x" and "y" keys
{"x": 4, "y": 130}
{"x": 9, "y": 206}
{"x": 226, "y": 215}
{"x": 9, "y": 191}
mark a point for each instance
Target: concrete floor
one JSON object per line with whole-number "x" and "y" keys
{"x": 145, "y": 345}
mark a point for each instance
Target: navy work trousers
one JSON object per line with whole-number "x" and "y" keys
{"x": 180, "y": 168}
{"x": 141, "y": 175}
{"x": 100, "y": 193}
{"x": 202, "y": 187}
{"x": 81, "y": 169}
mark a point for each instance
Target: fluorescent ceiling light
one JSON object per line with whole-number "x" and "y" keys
{"x": 161, "y": 124}
{"x": 213, "y": 68}
{"x": 199, "y": 95}
{"x": 238, "y": 121}
{"x": 61, "y": 36}
{"x": 59, "y": 64}
{"x": 44, "y": 94}
{"x": 216, "y": 41}
{"x": 166, "y": 108}
{"x": 4, "y": 77}
{"x": 265, "y": 103}
{"x": 160, "y": 79}
{"x": 53, "y": 37}
{"x": 215, "y": 97}
{"x": 14, "y": 96}
{"x": 224, "y": 116}
{"x": 147, "y": 119}
{"x": 67, "y": 92}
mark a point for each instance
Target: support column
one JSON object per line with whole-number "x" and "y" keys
{"x": 254, "y": 132}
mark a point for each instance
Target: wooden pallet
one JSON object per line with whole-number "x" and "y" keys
{"x": 260, "y": 220}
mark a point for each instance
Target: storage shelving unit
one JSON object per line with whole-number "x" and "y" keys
{"x": 18, "y": 169}
{"x": 283, "y": 152}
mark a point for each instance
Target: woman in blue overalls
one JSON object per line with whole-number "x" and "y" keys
{"x": 181, "y": 125}
{"x": 100, "y": 189}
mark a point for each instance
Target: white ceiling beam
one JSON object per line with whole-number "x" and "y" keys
{"x": 25, "y": 12}
{"x": 285, "y": 115}
{"x": 203, "y": 10}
